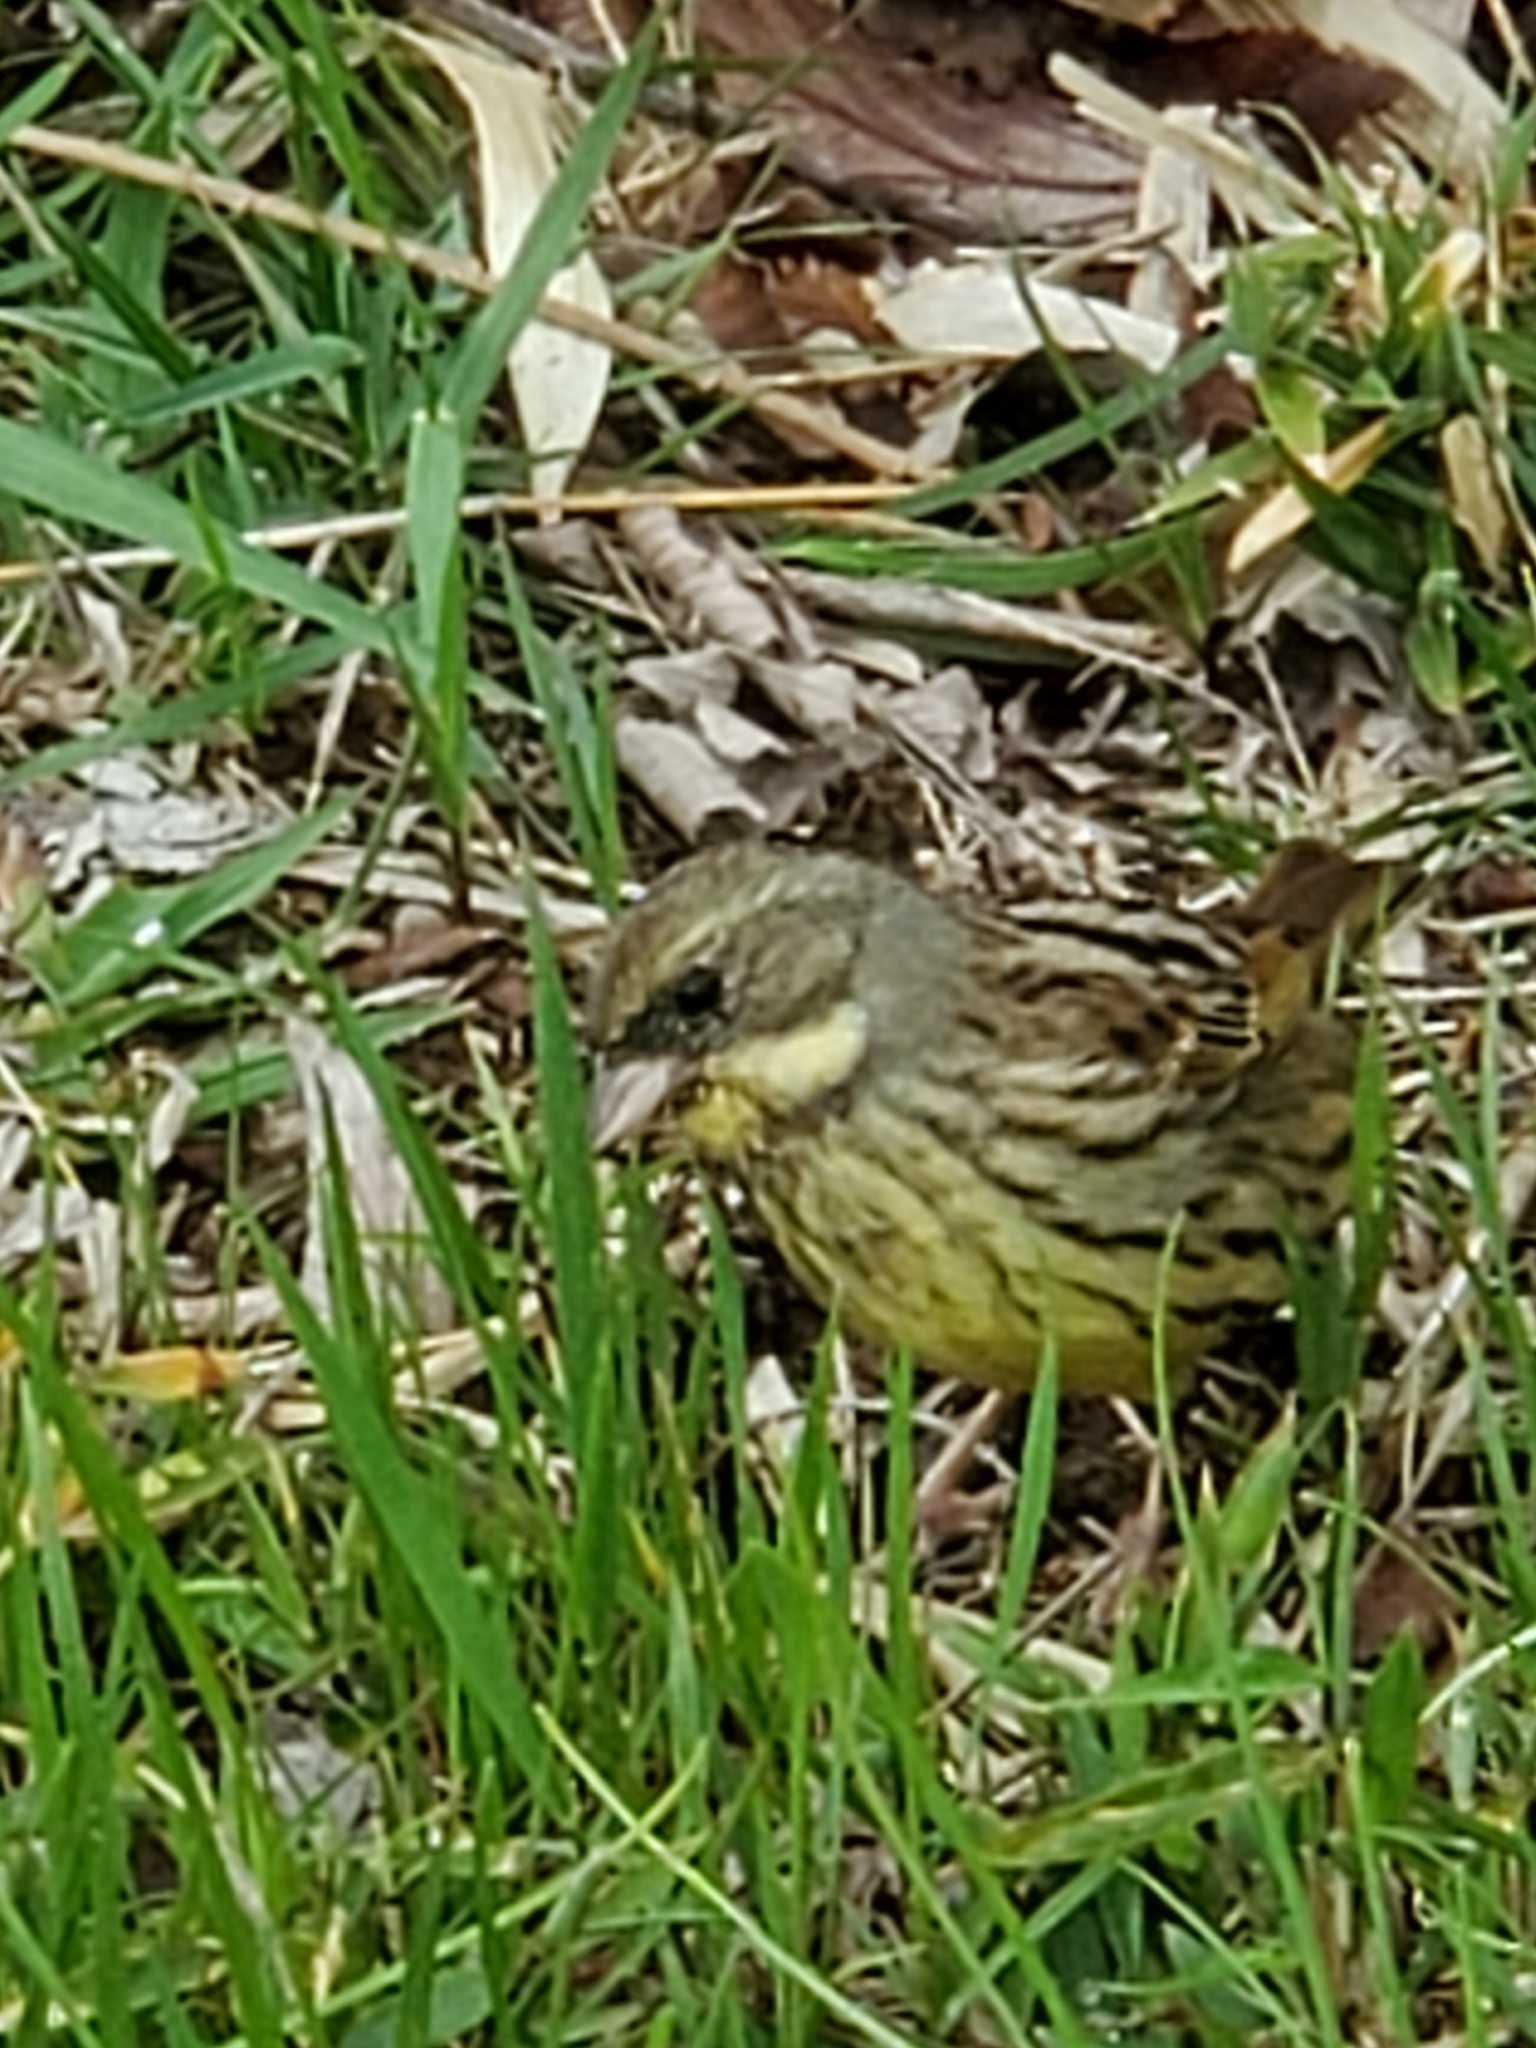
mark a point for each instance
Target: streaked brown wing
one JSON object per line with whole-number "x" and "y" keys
{"x": 1135, "y": 990}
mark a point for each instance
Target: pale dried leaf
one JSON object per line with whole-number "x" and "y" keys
{"x": 821, "y": 697}
{"x": 733, "y": 738}
{"x": 384, "y": 1203}
{"x": 1444, "y": 275}
{"x": 101, "y": 1262}
{"x": 1334, "y": 607}
{"x": 986, "y": 307}
{"x": 183, "y": 835}
{"x": 48, "y": 1215}
{"x": 1252, "y": 185}
{"x": 111, "y": 656}
{"x": 1173, "y": 218}
{"x": 938, "y": 414}
{"x": 679, "y": 776}
{"x": 151, "y": 832}
{"x": 558, "y": 379}
{"x": 1472, "y": 487}
{"x": 1143, "y": 14}
{"x": 407, "y": 878}
{"x": 18, "y": 1139}
{"x": 929, "y": 608}
{"x": 173, "y": 1108}
{"x": 775, "y": 1413}
{"x": 311, "y": 1780}
{"x": 891, "y": 661}
{"x": 131, "y": 774}
{"x": 1285, "y": 512}
{"x": 685, "y": 680}
{"x": 233, "y": 1313}
{"x": 948, "y": 717}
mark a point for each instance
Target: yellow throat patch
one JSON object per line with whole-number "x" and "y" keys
{"x": 747, "y": 1087}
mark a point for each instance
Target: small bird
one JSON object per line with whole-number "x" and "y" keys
{"x": 974, "y": 1129}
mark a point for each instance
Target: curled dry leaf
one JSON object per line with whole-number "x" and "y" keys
{"x": 948, "y": 719}
{"x": 46, "y": 1215}
{"x": 696, "y": 565}
{"x": 154, "y": 831}
{"x": 681, "y": 775}
{"x": 930, "y": 608}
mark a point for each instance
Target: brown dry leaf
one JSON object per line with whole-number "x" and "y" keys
{"x": 558, "y": 379}
{"x": 418, "y": 945}
{"x": 1340, "y": 67}
{"x": 1396, "y": 1592}
{"x": 898, "y": 133}
{"x": 1447, "y": 115}
{"x": 1496, "y": 885}
{"x": 24, "y": 908}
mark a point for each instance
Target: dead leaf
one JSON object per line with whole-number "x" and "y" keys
{"x": 558, "y": 379}
{"x": 987, "y": 307}
{"x": 677, "y": 773}
{"x": 391, "y": 1228}
{"x": 175, "y": 1372}
{"x": 1472, "y": 487}
{"x": 1286, "y": 511}
{"x": 1396, "y": 1592}
{"x": 898, "y": 135}
{"x": 694, "y": 564}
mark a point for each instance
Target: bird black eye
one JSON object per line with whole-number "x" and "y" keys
{"x": 697, "y": 994}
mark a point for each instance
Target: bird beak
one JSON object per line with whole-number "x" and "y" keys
{"x": 625, "y": 1097}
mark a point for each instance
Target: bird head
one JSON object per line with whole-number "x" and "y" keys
{"x": 729, "y": 996}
